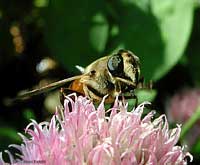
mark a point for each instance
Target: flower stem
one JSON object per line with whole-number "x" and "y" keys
{"x": 186, "y": 127}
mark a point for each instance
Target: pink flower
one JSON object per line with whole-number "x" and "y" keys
{"x": 88, "y": 136}
{"x": 183, "y": 104}
{"x": 181, "y": 107}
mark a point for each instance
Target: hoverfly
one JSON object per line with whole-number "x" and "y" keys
{"x": 112, "y": 75}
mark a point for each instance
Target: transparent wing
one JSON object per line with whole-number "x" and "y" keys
{"x": 47, "y": 88}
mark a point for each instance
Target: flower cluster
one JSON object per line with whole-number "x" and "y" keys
{"x": 82, "y": 134}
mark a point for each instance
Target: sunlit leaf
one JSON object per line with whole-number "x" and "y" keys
{"x": 146, "y": 95}
{"x": 41, "y": 3}
{"x": 157, "y": 31}
{"x": 143, "y": 95}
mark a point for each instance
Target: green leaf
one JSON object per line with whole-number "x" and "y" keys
{"x": 76, "y": 32}
{"x": 9, "y": 133}
{"x": 146, "y": 95}
{"x": 157, "y": 31}
{"x": 196, "y": 147}
{"x": 40, "y": 3}
{"x": 143, "y": 95}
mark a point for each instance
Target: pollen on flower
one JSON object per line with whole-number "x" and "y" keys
{"x": 87, "y": 136}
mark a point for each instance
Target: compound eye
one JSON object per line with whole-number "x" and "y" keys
{"x": 115, "y": 65}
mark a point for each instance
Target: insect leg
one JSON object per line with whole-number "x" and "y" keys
{"x": 91, "y": 94}
{"x": 141, "y": 84}
{"x": 128, "y": 82}
{"x": 66, "y": 91}
{"x": 128, "y": 96}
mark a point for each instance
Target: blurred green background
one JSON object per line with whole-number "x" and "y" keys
{"x": 41, "y": 41}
